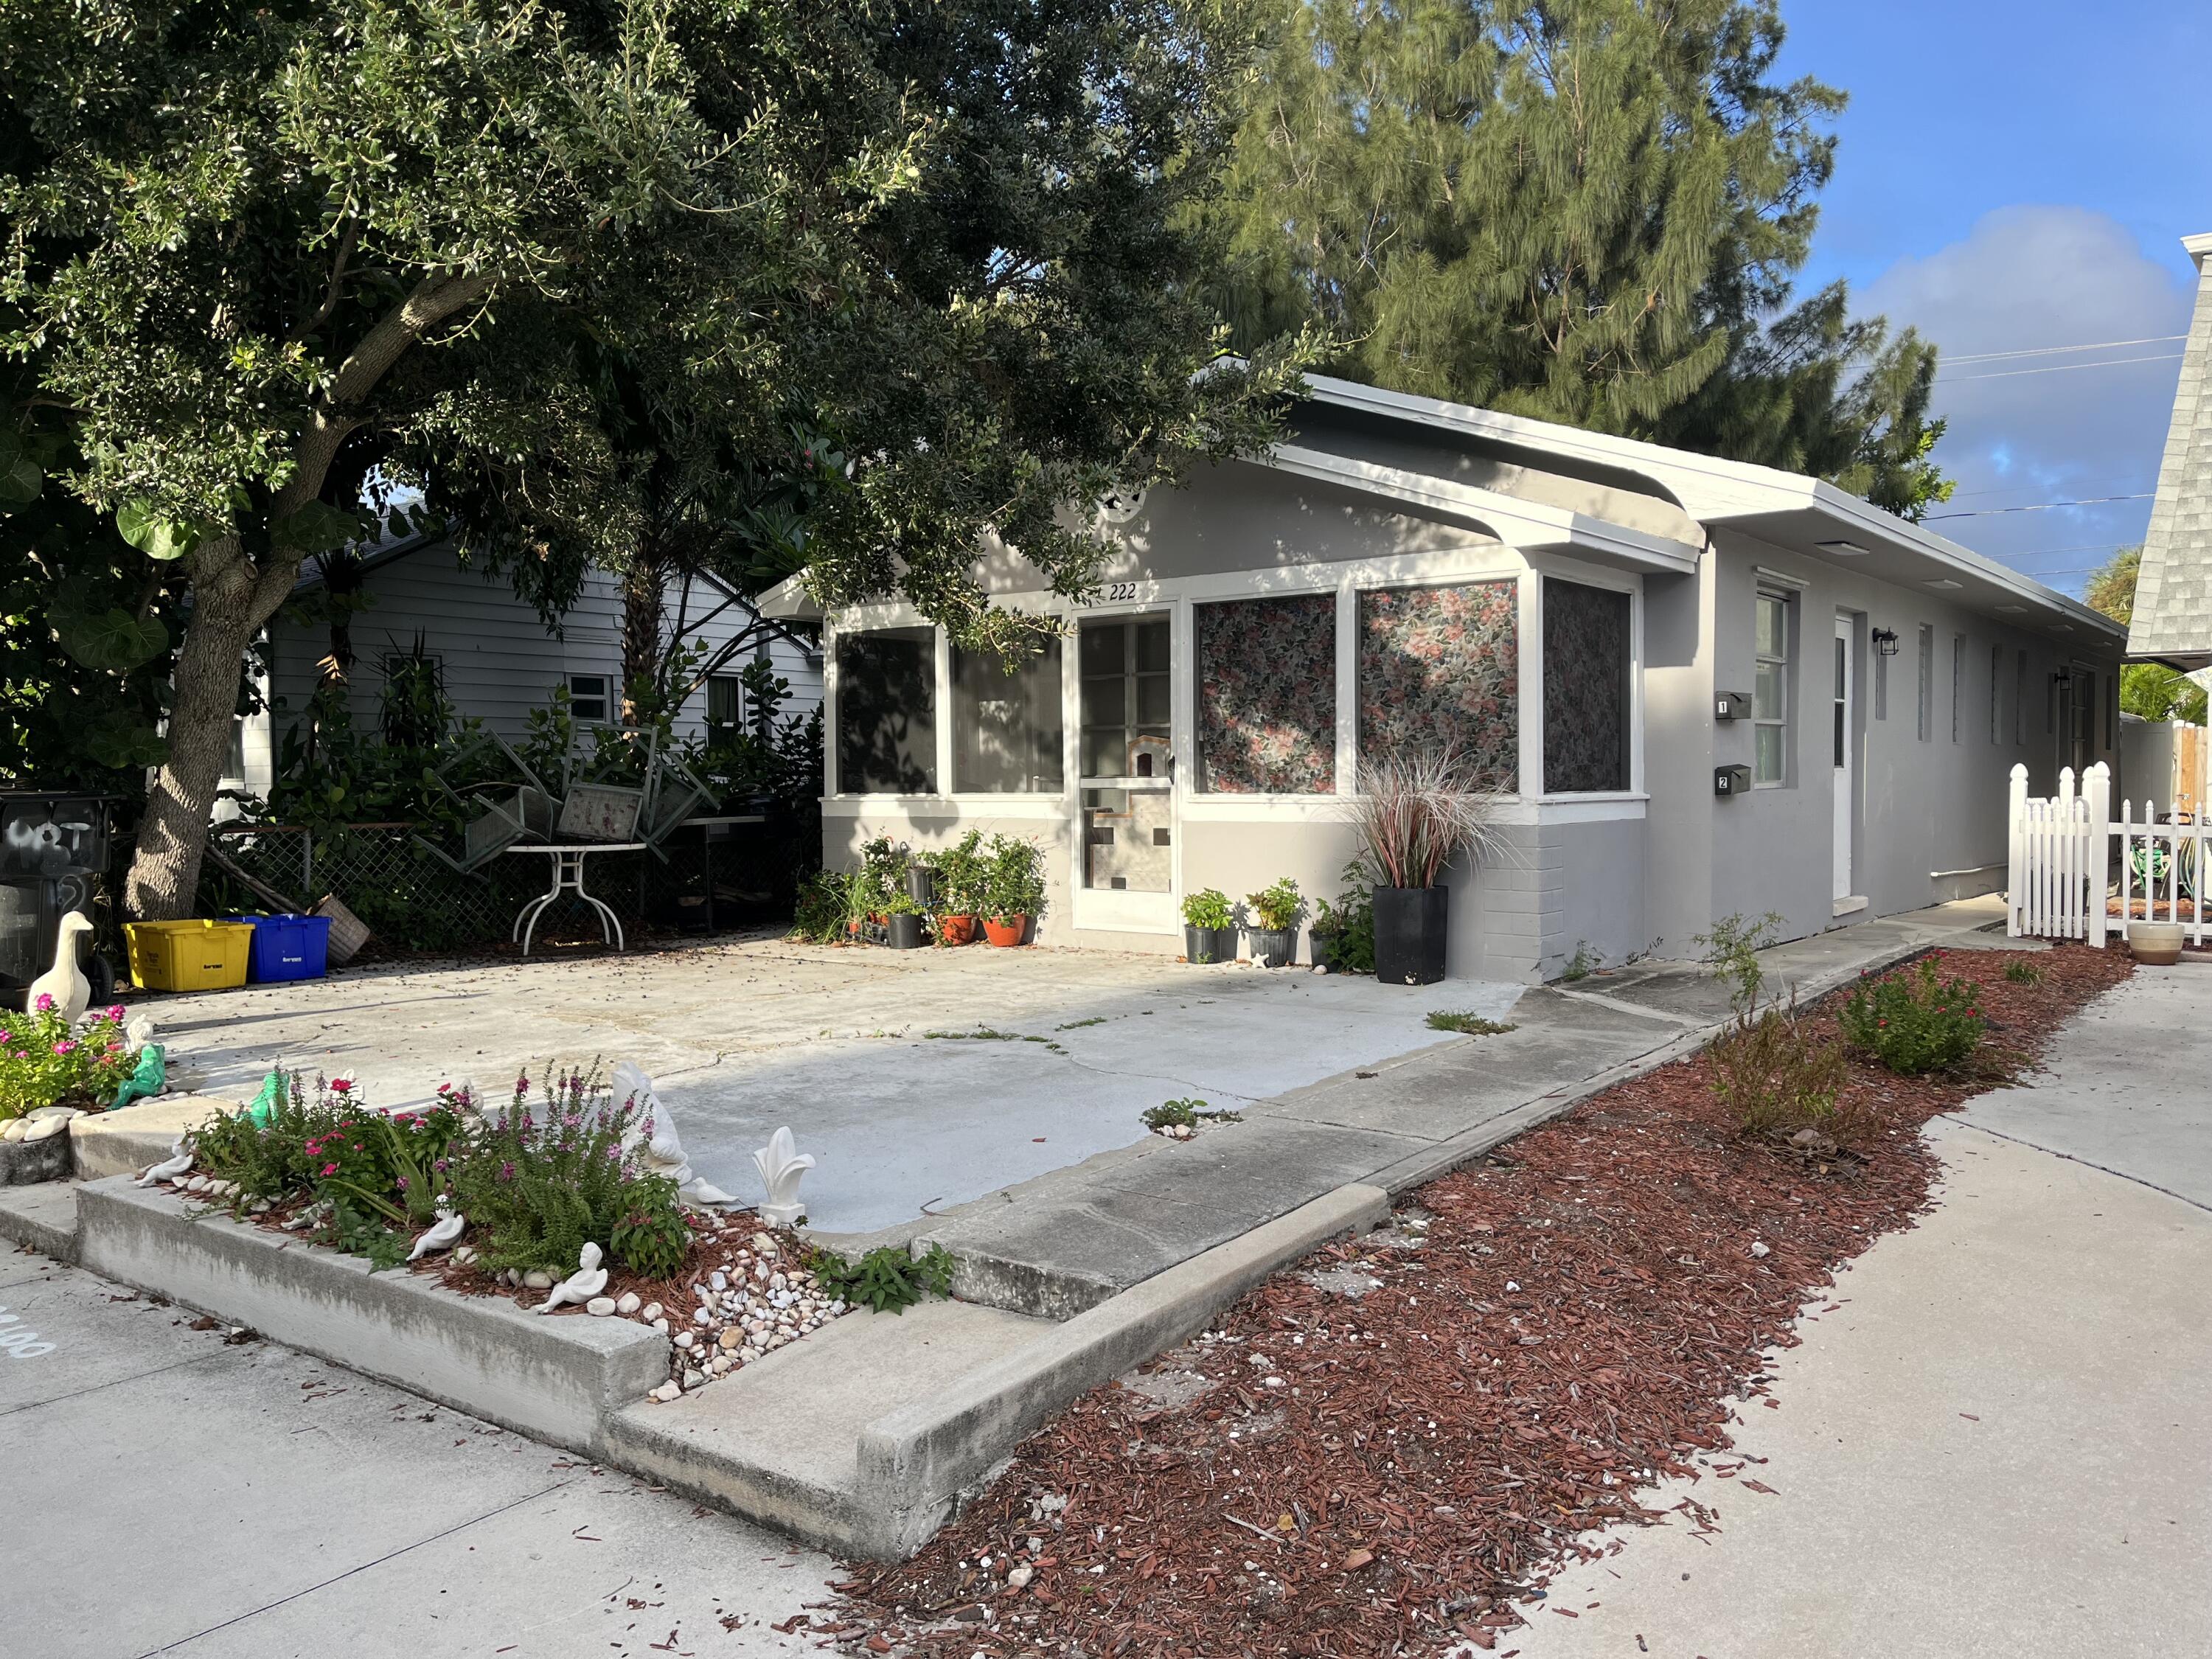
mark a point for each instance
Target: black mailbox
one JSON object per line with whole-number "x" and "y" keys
{"x": 1731, "y": 780}
{"x": 1730, "y": 705}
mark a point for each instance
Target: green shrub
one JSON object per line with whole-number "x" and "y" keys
{"x": 962, "y": 876}
{"x": 2023, "y": 973}
{"x": 1914, "y": 1021}
{"x": 1014, "y": 886}
{"x": 1345, "y": 933}
{"x": 1173, "y": 1115}
{"x": 822, "y": 908}
{"x": 1276, "y": 907}
{"x": 43, "y": 1062}
{"x": 1732, "y": 952}
{"x": 1208, "y": 907}
{"x": 1775, "y": 1075}
{"x": 890, "y": 1280}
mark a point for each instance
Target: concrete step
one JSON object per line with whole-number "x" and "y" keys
{"x": 780, "y": 1441}
{"x": 43, "y": 1216}
{"x": 125, "y": 1142}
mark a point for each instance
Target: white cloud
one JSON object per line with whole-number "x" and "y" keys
{"x": 2031, "y": 276}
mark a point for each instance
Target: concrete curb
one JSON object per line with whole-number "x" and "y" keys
{"x": 919, "y": 1463}
{"x": 123, "y": 1143}
{"x": 558, "y": 1379}
{"x": 43, "y": 1218}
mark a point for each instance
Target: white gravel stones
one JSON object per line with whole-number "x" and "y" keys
{"x": 536, "y": 1279}
{"x": 627, "y": 1303}
{"x": 599, "y": 1307}
{"x": 749, "y": 1305}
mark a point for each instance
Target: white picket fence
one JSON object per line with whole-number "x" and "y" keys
{"x": 2064, "y": 862}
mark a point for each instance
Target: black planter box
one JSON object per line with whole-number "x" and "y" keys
{"x": 902, "y": 933}
{"x": 1272, "y": 947}
{"x": 1409, "y": 934}
{"x": 1209, "y": 944}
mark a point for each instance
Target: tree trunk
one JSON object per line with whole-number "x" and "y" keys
{"x": 645, "y": 598}
{"x": 164, "y": 880}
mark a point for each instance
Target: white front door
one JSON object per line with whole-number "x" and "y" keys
{"x": 1846, "y": 810}
{"x": 1126, "y": 828}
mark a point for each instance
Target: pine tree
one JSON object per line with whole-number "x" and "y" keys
{"x": 1582, "y": 210}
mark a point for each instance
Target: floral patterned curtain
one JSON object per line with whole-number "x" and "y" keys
{"x": 1585, "y": 688}
{"x": 1266, "y": 696}
{"x": 1438, "y": 667}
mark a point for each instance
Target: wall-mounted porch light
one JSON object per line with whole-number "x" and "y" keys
{"x": 1885, "y": 641}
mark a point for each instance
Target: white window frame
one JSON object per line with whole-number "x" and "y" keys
{"x": 604, "y": 696}
{"x": 1784, "y": 597}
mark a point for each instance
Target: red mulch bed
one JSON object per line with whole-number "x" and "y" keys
{"x": 1582, "y": 1314}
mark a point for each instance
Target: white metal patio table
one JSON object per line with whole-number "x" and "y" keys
{"x": 568, "y": 878}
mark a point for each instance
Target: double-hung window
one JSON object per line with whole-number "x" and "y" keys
{"x": 588, "y": 697}
{"x": 1769, "y": 694}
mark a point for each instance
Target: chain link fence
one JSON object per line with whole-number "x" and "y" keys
{"x": 412, "y": 899}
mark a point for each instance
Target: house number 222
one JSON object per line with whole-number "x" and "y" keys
{"x": 1117, "y": 593}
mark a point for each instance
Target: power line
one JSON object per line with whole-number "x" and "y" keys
{"x": 2048, "y": 351}
{"x": 2060, "y": 368}
{"x": 2039, "y": 507}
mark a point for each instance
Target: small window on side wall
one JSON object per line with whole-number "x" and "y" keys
{"x": 1769, "y": 693}
{"x": 887, "y": 712}
{"x": 1586, "y": 663}
{"x": 588, "y": 697}
{"x": 1007, "y": 723}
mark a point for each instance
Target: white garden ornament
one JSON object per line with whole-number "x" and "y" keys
{"x": 581, "y": 1286}
{"x": 442, "y": 1235}
{"x": 663, "y": 1152}
{"x": 65, "y": 981}
{"x": 171, "y": 1168}
{"x": 781, "y": 1164}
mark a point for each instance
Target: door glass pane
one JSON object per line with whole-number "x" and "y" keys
{"x": 1839, "y": 733}
{"x": 1106, "y": 702}
{"x": 1773, "y": 626}
{"x": 1152, "y": 699}
{"x": 1152, "y": 646}
{"x": 1006, "y": 726}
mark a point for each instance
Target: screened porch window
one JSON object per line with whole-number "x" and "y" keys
{"x": 1266, "y": 696}
{"x": 1439, "y": 669}
{"x": 1007, "y": 723}
{"x": 1586, "y": 660}
{"x": 887, "y": 712}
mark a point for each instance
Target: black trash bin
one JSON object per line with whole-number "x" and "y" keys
{"x": 53, "y": 849}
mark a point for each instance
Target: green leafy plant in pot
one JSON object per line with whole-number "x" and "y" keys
{"x": 901, "y": 923}
{"x": 1209, "y": 927}
{"x": 1013, "y": 889}
{"x": 1416, "y": 813}
{"x": 963, "y": 884}
{"x": 1275, "y": 911}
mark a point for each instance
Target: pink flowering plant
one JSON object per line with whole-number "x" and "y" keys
{"x": 46, "y": 1061}
{"x": 1916, "y": 1020}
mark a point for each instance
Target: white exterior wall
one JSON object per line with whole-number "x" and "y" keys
{"x": 498, "y": 658}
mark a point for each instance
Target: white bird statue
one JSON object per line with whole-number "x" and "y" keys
{"x": 172, "y": 1168}
{"x": 781, "y": 1164}
{"x": 64, "y": 982}
{"x": 664, "y": 1153}
{"x": 443, "y": 1232}
{"x": 581, "y": 1286}
{"x": 137, "y": 1032}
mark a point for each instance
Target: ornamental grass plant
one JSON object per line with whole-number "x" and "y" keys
{"x": 1417, "y": 811}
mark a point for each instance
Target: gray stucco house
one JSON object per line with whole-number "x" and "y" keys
{"x": 1613, "y": 626}
{"x": 2173, "y": 594}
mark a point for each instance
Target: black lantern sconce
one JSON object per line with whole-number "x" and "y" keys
{"x": 1885, "y": 641}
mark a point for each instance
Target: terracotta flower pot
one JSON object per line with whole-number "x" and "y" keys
{"x": 956, "y": 930}
{"x": 1006, "y": 932}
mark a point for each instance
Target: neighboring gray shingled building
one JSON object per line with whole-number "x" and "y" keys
{"x": 2173, "y": 596}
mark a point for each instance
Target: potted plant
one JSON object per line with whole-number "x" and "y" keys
{"x": 1342, "y": 936}
{"x": 1014, "y": 891}
{"x": 1209, "y": 927}
{"x": 901, "y": 923}
{"x": 1273, "y": 929}
{"x": 1415, "y": 813}
{"x": 962, "y": 877}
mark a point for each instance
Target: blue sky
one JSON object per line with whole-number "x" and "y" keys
{"x": 2019, "y": 176}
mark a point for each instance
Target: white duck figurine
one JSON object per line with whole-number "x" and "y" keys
{"x": 781, "y": 1164}
{"x": 137, "y": 1032}
{"x": 172, "y": 1168}
{"x": 64, "y": 982}
{"x": 581, "y": 1286}
{"x": 664, "y": 1153}
{"x": 442, "y": 1234}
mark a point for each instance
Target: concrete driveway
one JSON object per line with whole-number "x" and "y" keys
{"x": 1995, "y": 1444}
{"x": 919, "y": 1079}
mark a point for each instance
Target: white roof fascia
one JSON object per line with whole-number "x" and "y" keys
{"x": 1710, "y": 489}
{"x": 1515, "y": 522}
{"x": 789, "y": 601}
{"x": 2198, "y": 248}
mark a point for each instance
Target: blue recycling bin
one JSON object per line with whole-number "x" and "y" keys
{"x": 288, "y": 947}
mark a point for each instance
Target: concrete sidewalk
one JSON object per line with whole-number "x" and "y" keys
{"x": 172, "y": 1493}
{"x": 1995, "y": 1445}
